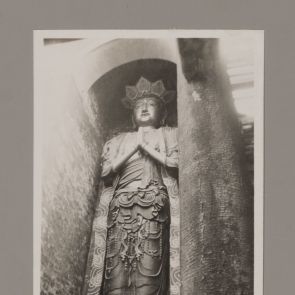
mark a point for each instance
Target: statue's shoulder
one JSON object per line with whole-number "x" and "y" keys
{"x": 169, "y": 131}
{"x": 170, "y": 136}
{"x": 117, "y": 137}
{"x": 169, "y": 128}
{"x": 115, "y": 141}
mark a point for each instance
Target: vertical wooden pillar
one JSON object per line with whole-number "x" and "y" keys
{"x": 216, "y": 200}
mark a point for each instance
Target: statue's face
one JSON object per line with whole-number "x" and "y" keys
{"x": 147, "y": 112}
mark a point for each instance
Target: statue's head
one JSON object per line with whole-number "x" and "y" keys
{"x": 149, "y": 111}
{"x": 148, "y": 101}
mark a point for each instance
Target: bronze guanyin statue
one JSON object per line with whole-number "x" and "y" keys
{"x": 135, "y": 243}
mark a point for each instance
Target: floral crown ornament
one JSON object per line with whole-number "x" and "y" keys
{"x": 145, "y": 88}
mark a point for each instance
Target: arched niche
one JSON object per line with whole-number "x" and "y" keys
{"x": 104, "y": 70}
{"x": 83, "y": 86}
{"x": 105, "y": 87}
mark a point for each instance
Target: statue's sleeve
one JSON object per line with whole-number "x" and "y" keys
{"x": 109, "y": 153}
{"x": 171, "y": 147}
{"x": 106, "y": 158}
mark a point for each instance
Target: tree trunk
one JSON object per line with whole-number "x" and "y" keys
{"x": 216, "y": 196}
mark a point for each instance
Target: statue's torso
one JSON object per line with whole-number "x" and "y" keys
{"x": 140, "y": 169}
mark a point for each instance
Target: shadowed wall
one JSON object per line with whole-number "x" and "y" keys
{"x": 71, "y": 151}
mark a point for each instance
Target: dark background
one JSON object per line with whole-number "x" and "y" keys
{"x": 19, "y": 18}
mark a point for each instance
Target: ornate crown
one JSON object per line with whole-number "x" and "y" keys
{"x": 145, "y": 88}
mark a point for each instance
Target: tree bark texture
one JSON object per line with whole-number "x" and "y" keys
{"x": 216, "y": 195}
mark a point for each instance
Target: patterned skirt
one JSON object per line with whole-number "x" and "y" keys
{"x": 137, "y": 254}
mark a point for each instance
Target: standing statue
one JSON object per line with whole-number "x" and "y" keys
{"x": 135, "y": 248}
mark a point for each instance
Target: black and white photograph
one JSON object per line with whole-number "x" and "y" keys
{"x": 148, "y": 162}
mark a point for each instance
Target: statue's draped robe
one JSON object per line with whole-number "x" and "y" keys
{"x": 128, "y": 222}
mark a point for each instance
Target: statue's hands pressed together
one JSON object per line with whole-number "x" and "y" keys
{"x": 139, "y": 137}
{"x": 133, "y": 147}
{"x": 148, "y": 149}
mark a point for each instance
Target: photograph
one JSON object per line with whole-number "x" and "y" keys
{"x": 148, "y": 162}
